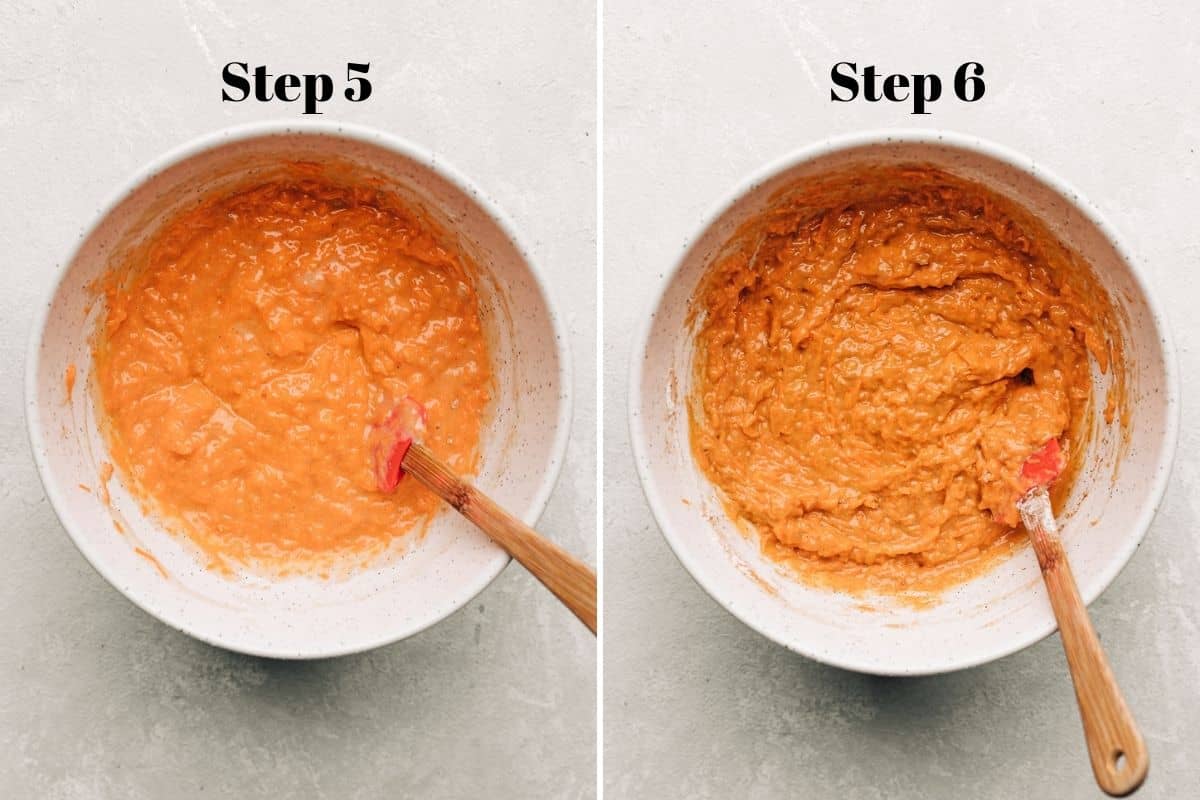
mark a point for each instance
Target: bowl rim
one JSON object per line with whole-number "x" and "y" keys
{"x": 939, "y": 663}
{"x": 353, "y": 132}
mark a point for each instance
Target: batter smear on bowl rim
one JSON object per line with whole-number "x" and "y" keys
{"x": 252, "y": 345}
{"x": 877, "y": 355}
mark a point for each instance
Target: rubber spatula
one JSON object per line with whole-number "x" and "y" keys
{"x": 1115, "y": 746}
{"x": 398, "y": 453}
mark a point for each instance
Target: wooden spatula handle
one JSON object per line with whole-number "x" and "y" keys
{"x": 572, "y": 581}
{"x": 1118, "y": 753}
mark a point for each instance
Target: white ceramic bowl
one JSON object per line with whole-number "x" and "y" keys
{"x": 522, "y": 448}
{"x": 995, "y": 614}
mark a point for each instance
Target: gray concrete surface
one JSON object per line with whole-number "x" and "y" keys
{"x": 697, "y": 705}
{"x": 98, "y": 700}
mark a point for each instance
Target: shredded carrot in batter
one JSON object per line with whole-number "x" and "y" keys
{"x": 249, "y": 347}
{"x": 877, "y": 356}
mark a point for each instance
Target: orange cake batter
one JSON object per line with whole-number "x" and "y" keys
{"x": 877, "y": 356}
{"x": 248, "y": 349}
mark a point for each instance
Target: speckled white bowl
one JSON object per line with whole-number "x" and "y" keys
{"x": 995, "y": 614}
{"x": 522, "y": 447}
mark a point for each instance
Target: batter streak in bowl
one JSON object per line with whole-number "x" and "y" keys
{"x": 877, "y": 355}
{"x": 252, "y": 343}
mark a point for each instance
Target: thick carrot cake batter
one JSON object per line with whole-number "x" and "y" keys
{"x": 877, "y": 356}
{"x": 250, "y": 347}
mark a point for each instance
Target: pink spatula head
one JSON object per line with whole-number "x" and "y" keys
{"x": 391, "y": 439}
{"x": 1044, "y": 466}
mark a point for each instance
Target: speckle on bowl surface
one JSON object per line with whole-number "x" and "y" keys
{"x": 522, "y": 445}
{"x": 996, "y": 613}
